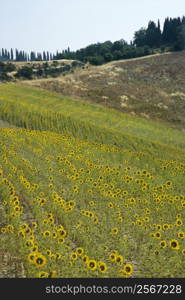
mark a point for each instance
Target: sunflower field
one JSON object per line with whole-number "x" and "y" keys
{"x": 88, "y": 192}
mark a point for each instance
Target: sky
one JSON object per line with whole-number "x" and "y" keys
{"x": 53, "y": 25}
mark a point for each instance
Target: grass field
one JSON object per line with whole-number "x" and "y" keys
{"x": 87, "y": 191}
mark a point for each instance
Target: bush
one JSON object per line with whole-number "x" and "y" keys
{"x": 25, "y": 72}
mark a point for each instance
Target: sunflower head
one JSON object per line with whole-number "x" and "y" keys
{"x": 128, "y": 268}
{"x": 92, "y": 265}
{"x": 79, "y": 251}
{"x": 102, "y": 267}
{"x": 42, "y": 275}
{"x": 174, "y": 245}
{"x": 39, "y": 260}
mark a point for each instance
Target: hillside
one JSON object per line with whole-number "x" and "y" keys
{"x": 152, "y": 87}
{"x": 15, "y": 71}
{"x": 87, "y": 191}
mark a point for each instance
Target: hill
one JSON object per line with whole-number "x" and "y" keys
{"x": 15, "y": 71}
{"x": 151, "y": 87}
{"x": 87, "y": 191}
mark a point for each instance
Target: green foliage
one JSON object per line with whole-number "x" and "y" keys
{"x": 25, "y": 72}
{"x": 180, "y": 43}
{"x": 4, "y": 69}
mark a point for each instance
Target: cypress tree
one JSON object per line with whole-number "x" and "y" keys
{"x": 159, "y": 34}
{"x": 47, "y": 55}
{"x": 44, "y": 56}
{"x": 16, "y": 55}
{"x": 152, "y": 35}
{"x": 32, "y": 56}
{"x": 3, "y": 53}
{"x": 11, "y": 55}
{"x": 166, "y": 31}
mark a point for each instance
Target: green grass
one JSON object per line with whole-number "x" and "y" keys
{"x": 20, "y": 104}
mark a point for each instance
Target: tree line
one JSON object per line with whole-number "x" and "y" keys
{"x": 17, "y": 55}
{"x": 146, "y": 41}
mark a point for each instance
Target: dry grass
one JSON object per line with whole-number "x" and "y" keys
{"x": 154, "y": 86}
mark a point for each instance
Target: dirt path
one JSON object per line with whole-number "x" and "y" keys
{"x": 10, "y": 266}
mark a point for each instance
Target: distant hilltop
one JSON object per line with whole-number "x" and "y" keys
{"x": 146, "y": 41}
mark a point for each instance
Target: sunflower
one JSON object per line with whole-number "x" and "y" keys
{"x": 34, "y": 248}
{"x": 3, "y": 230}
{"x": 174, "y": 244}
{"x": 45, "y": 221}
{"x": 92, "y": 264}
{"x": 29, "y": 244}
{"x": 42, "y": 202}
{"x": 178, "y": 222}
{"x": 10, "y": 228}
{"x": 39, "y": 260}
{"x": 54, "y": 235}
{"x": 62, "y": 233}
{"x": 114, "y": 230}
{"x": 42, "y": 275}
{"x": 119, "y": 259}
{"x": 46, "y": 233}
{"x": 181, "y": 234}
{"x": 72, "y": 203}
{"x": 113, "y": 256}
{"x": 48, "y": 251}
{"x": 110, "y": 205}
{"x": 91, "y": 214}
{"x": 80, "y": 251}
{"x": 51, "y": 220}
{"x": 163, "y": 244}
{"x": 168, "y": 183}
{"x": 21, "y": 233}
{"x": 158, "y": 227}
{"x": 95, "y": 220}
{"x": 165, "y": 226}
{"x": 52, "y": 274}
{"x": 156, "y": 252}
{"x": 85, "y": 259}
{"x": 123, "y": 273}
{"x": 120, "y": 219}
{"x": 34, "y": 224}
{"x": 58, "y": 256}
{"x": 128, "y": 268}
{"x": 183, "y": 251}
{"x": 158, "y": 235}
{"x": 61, "y": 241}
{"x": 74, "y": 256}
{"x": 31, "y": 257}
{"x": 139, "y": 222}
{"x": 102, "y": 267}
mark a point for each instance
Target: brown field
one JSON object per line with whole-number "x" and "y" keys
{"x": 151, "y": 87}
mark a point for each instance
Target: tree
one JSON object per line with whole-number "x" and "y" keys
{"x": 39, "y": 57}
{"x": 118, "y": 45}
{"x": 153, "y": 35}
{"x": 44, "y": 56}
{"x": 95, "y": 60}
{"x": 11, "y": 55}
{"x": 25, "y": 72}
{"x": 32, "y": 56}
{"x": 140, "y": 37}
{"x": 180, "y": 41}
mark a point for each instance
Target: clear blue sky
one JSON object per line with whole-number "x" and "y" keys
{"x": 56, "y": 24}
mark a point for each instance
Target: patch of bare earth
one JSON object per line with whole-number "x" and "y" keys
{"x": 11, "y": 266}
